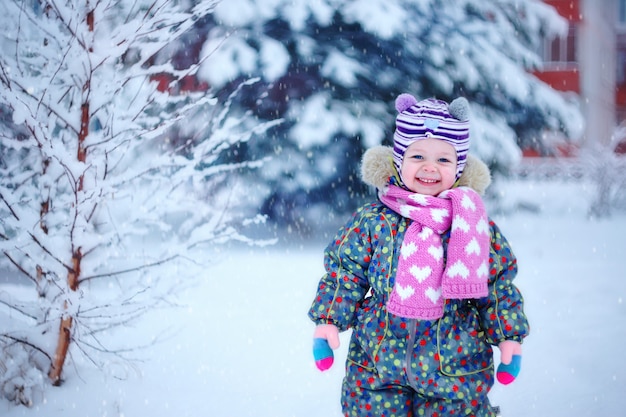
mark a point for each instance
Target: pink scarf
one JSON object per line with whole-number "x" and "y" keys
{"x": 421, "y": 282}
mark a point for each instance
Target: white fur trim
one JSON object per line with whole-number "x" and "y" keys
{"x": 377, "y": 167}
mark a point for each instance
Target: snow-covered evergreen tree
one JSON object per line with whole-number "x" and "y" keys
{"x": 332, "y": 69}
{"x": 94, "y": 196}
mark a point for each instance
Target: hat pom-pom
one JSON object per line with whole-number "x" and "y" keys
{"x": 404, "y": 101}
{"x": 459, "y": 109}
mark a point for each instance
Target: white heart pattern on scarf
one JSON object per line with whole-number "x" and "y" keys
{"x": 436, "y": 252}
{"x": 406, "y": 210}
{"x": 459, "y": 269}
{"x": 467, "y": 203}
{"x": 438, "y": 214}
{"x": 408, "y": 249}
{"x": 433, "y": 294}
{"x": 460, "y": 223}
{"x": 425, "y": 233}
{"x": 420, "y": 274}
{"x": 483, "y": 270}
{"x": 473, "y": 247}
{"x": 482, "y": 227}
{"x": 404, "y": 292}
{"x": 420, "y": 199}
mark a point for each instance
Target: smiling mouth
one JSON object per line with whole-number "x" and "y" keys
{"x": 427, "y": 180}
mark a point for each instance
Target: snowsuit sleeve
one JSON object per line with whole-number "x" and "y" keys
{"x": 502, "y": 311}
{"x": 344, "y": 285}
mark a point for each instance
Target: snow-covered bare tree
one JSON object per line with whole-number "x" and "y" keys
{"x": 605, "y": 167}
{"x": 94, "y": 198}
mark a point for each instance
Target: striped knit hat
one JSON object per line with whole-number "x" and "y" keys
{"x": 435, "y": 119}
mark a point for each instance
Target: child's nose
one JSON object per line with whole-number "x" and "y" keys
{"x": 429, "y": 167}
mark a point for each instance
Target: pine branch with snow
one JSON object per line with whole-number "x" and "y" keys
{"x": 332, "y": 69}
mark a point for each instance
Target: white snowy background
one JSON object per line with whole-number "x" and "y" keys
{"x": 240, "y": 342}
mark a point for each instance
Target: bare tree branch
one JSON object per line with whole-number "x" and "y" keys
{"x": 126, "y": 271}
{"x": 19, "y": 310}
{"x": 19, "y": 267}
{"x": 9, "y": 207}
{"x": 69, "y": 268}
{"x": 27, "y": 343}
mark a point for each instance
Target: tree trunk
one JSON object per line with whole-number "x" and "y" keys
{"x": 65, "y": 328}
{"x": 63, "y": 345}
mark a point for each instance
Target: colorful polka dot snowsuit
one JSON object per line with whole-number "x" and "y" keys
{"x": 406, "y": 367}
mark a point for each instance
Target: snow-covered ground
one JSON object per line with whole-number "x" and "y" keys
{"x": 241, "y": 344}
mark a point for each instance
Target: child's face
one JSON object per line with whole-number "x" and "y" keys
{"x": 429, "y": 166}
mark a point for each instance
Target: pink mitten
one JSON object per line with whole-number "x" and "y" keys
{"x": 325, "y": 338}
{"x": 510, "y": 361}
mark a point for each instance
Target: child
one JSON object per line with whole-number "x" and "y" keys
{"x": 422, "y": 276}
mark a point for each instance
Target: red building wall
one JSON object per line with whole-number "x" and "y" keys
{"x": 569, "y": 9}
{"x": 564, "y": 77}
{"x": 561, "y": 79}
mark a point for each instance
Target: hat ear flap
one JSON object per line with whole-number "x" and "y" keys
{"x": 404, "y": 101}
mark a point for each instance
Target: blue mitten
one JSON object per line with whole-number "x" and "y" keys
{"x": 511, "y": 356}
{"x": 507, "y": 373}
{"x": 325, "y": 339}
{"x": 323, "y": 354}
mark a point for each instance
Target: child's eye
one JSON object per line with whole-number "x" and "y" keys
{"x": 417, "y": 157}
{"x": 444, "y": 160}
